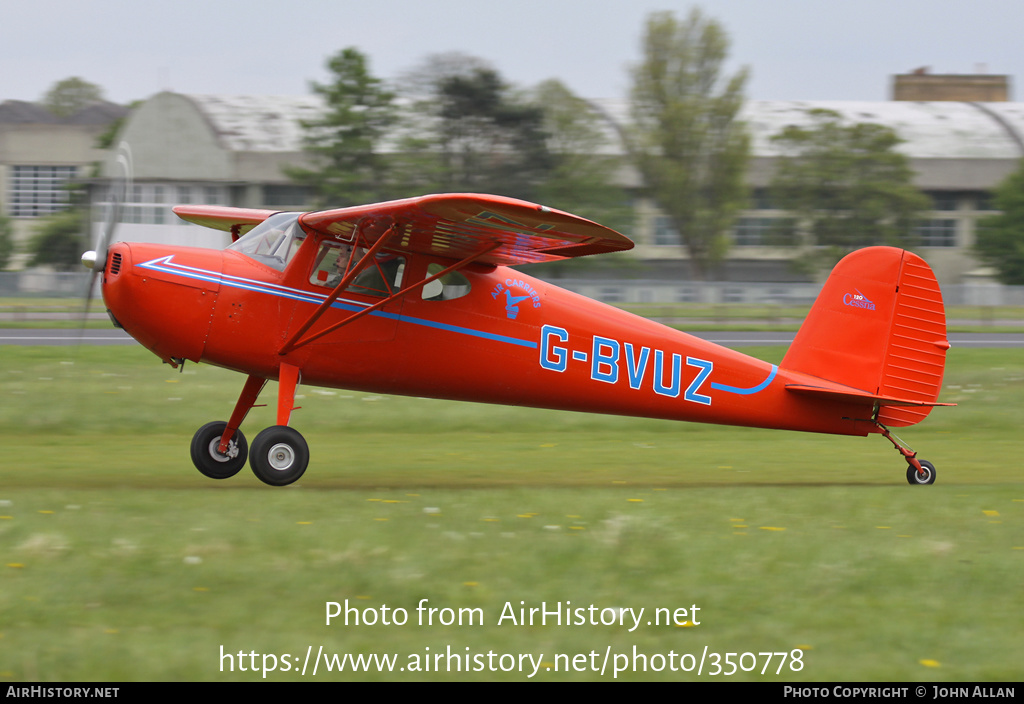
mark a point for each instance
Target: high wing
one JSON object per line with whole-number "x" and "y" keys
{"x": 456, "y": 226}
{"x": 237, "y": 221}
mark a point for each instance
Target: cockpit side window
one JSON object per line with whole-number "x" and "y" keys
{"x": 274, "y": 241}
{"x": 450, "y": 286}
{"x": 380, "y": 278}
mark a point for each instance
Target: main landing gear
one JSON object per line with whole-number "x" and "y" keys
{"x": 279, "y": 454}
{"x": 918, "y": 471}
{"x": 209, "y": 460}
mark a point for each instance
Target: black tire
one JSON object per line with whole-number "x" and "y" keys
{"x": 914, "y": 478}
{"x": 212, "y": 463}
{"x": 279, "y": 455}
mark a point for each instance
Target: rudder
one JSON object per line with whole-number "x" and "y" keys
{"x": 878, "y": 326}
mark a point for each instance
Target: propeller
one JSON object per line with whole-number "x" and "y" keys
{"x": 118, "y": 194}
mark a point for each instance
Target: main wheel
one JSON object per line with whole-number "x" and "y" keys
{"x": 212, "y": 463}
{"x": 279, "y": 455}
{"x": 928, "y": 478}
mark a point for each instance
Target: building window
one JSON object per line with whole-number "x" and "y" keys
{"x": 937, "y": 233}
{"x": 983, "y": 201}
{"x": 39, "y": 190}
{"x": 664, "y": 232}
{"x": 762, "y": 200}
{"x": 753, "y": 232}
{"x": 150, "y": 203}
{"x": 194, "y": 194}
{"x": 279, "y": 196}
{"x": 750, "y": 231}
{"x": 942, "y": 200}
{"x": 146, "y": 205}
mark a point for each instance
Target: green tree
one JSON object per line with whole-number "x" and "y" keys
{"x": 582, "y": 179}
{"x": 846, "y": 185}
{"x": 66, "y": 97}
{"x": 347, "y": 141}
{"x": 59, "y": 240}
{"x": 1000, "y": 239}
{"x": 478, "y": 134}
{"x": 686, "y": 138}
{"x": 6, "y": 241}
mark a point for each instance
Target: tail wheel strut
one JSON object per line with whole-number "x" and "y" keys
{"x": 918, "y": 471}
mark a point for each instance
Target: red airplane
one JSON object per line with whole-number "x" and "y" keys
{"x": 415, "y": 297}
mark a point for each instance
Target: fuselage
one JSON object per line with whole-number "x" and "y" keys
{"x": 494, "y": 335}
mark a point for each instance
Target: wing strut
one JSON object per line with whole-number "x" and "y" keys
{"x": 369, "y": 256}
{"x": 295, "y": 341}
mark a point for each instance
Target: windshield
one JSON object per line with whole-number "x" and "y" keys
{"x": 274, "y": 241}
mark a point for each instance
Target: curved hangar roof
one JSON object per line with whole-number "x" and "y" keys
{"x": 259, "y": 123}
{"x": 932, "y": 130}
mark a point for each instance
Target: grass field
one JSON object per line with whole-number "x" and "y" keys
{"x": 121, "y": 562}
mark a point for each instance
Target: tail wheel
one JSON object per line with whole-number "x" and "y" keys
{"x": 279, "y": 455}
{"x": 212, "y": 463}
{"x": 915, "y": 477}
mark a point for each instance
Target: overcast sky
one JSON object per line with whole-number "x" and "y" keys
{"x": 795, "y": 49}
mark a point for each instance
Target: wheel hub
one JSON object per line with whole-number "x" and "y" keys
{"x": 281, "y": 456}
{"x": 231, "y": 454}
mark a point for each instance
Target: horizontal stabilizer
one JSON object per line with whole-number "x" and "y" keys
{"x": 857, "y": 395}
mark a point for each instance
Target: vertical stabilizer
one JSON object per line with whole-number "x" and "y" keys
{"x": 878, "y": 326}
